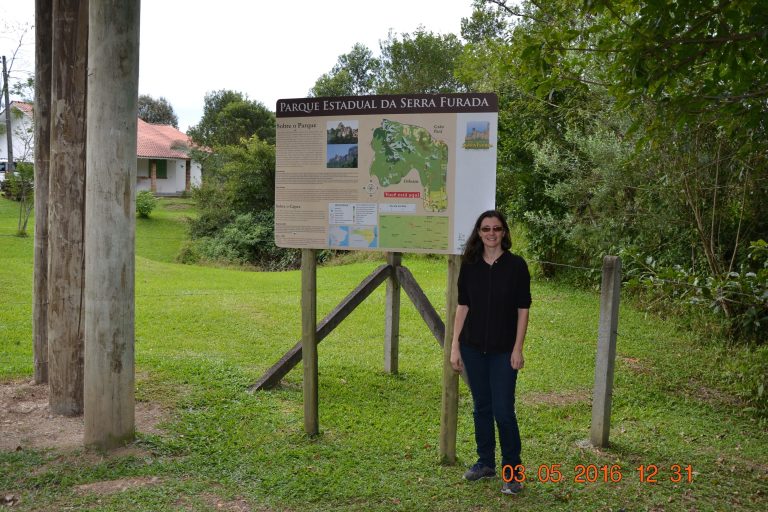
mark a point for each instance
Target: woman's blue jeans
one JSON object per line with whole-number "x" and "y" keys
{"x": 492, "y": 382}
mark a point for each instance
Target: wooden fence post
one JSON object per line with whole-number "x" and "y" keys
{"x": 450, "y": 401}
{"x": 66, "y": 207}
{"x": 42, "y": 115}
{"x": 308, "y": 341}
{"x": 392, "y": 315}
{"x": 113, "y": 84}
{"x": 606, "y": 351}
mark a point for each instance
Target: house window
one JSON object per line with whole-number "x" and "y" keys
{"x": 161, "y": 169}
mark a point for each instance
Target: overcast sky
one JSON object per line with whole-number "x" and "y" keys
{"x": 266, "y": 49}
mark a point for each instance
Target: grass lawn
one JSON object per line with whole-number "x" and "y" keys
{"x": 204, "y": 334}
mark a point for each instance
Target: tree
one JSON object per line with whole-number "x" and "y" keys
{"x": 420, "y": 63}
{"x": 637, "y": 127}
{"x": 236, "y": 202}
{"x": 19, "y": 186}
{"x": 355, "y": 74}
{"x": 157, "y": 111}
{"x": 229, "y": 117}
{"x": 485, "y": 23}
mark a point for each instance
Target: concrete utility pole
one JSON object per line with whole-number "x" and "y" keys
{"x": 8, "y": 129}
{"x": 43, "y": 32}
{"x": 66, "y": 206}
{"x": 113, "y": 88}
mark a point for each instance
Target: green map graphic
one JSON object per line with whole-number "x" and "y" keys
{"x": 397, "y": 231}
{"x": 400, "y": 148}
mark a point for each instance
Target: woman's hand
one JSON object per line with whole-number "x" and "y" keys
{"x": 456, "y": 361}
{"x": 517, "y": 359}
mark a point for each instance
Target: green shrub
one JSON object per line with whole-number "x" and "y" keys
{"x": 249, "y": 239}
{"x": 145, "y": 203}
{"x": 736, "y": 302}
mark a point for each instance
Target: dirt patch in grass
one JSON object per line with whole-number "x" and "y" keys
{"x": 27, "y": 422}
{"x": 557, "y": 398}
{"x": 713, "y": 396}
{"x": 635, "y": 365}
{"x": 113, "y": 486}
{"x": 236, "y": 505}
{"x": 214, "y": 502}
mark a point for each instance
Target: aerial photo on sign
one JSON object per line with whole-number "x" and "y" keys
{"x": 389, "y": 173}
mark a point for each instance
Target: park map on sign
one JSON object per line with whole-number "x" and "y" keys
{"x": 400, "y": 148}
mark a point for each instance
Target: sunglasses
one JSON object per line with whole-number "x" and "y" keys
{"x": 495, "y": 229}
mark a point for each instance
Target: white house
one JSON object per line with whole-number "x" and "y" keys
{"x": 163, "y": 164}
{"x": 22, "y": 135}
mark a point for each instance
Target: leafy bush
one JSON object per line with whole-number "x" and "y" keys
{"x": 145, "y": 203}
{"x": 248, "y": 239}
{"x": 236, "y": 203}
{"x": 19, "y": 185}
{"x": 738, "y": 300}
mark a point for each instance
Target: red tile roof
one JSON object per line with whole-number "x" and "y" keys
{"x": 23, "y": 106}
{"x": 153, "y": 140}
{"x": 161, "y": 141}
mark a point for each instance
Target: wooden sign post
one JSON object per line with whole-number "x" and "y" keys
{"x": 308, "y": 339}
{"x": 392, "y": 315}
{"x": 449, "y": 411}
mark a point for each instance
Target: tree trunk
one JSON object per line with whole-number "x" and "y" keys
{"x": 8, "y": 126}
{"x": 66, "y": 206}
{"x": 43, "y": 48}
{"x": 113, "y": 84}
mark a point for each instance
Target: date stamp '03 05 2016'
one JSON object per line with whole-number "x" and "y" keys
{"x": 592, "y": 473}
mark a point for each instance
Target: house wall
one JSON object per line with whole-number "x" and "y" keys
{"x": 176, "y": 181}
{"x": 23, "y": 139}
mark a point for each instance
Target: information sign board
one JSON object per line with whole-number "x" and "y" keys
{"x": 407, "y": 173}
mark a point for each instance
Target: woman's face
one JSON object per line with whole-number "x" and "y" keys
{"x": 491, "y": 232}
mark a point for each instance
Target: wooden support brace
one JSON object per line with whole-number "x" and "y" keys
{"x": 272, "y": 377}
{"x": 422, "y": 304}
{"x": 424, "y": 307}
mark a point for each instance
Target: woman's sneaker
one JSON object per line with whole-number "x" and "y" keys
{"x": 479, "y": 471}
{"x": 511, "y": 487}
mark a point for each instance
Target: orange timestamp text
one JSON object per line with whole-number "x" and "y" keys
{"x": 593, "y": 473}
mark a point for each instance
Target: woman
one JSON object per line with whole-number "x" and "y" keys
{"x": 488, "y": 335}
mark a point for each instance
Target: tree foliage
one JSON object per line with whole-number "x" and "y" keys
{"x": 157, "y": 111}
{"x": 19, "y": 186}
{"x": 236, "y": 198}
{"x": 422, "y": 62}
{"x": 355, "y": 73}
{"x": 236, "y": 202}
{"x": 632, "y": 127}
{"x": 228, "y": 117}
